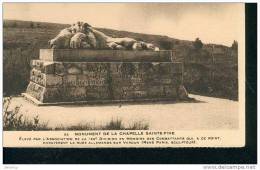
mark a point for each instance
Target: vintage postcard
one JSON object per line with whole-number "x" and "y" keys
{"x": 116, "y": 75}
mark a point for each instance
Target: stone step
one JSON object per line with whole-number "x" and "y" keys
{"x": 74, "y": 94}
{"x": 88, "y": 68}
{"x": 78, "y": 55}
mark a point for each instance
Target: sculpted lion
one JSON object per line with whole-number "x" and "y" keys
{"x": 62, "y": 40}
{"x": 82, "y": 35}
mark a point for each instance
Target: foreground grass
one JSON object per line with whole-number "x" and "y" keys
{"x": 13, "y": 120}
{"x": 111, "y": 125}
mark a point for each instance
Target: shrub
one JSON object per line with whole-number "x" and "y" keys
{"x": 111, "y": 125}
{"x": 14, "y": 120}
{"x": 80, "y": 126}
{"x": 31, "y": 25}
{"x": 114, "y": 125}
{"x": 235, "y": 45}
{"x": 138, "y": 126}
{"x": 198, "y": 44}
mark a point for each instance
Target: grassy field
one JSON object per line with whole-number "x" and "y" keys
{"x": 23, "y": 39}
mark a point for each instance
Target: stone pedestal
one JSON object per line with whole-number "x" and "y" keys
{"x": 92, "y": 76}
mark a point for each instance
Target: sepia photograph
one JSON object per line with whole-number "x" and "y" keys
{"x": 98, "y": 75}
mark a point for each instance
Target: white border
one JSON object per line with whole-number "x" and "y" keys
{"x": 28, "y": 167}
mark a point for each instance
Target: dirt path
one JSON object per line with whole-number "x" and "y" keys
{"x": 209, "y": 113}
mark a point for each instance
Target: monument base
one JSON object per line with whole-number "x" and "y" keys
{"x": 72, "y": 82}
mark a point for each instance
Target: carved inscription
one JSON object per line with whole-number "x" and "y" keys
{"x": 90, "y": 74}
{"x": 85, "y": 82}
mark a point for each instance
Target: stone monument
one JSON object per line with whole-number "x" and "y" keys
{"x": 68, "y": 76}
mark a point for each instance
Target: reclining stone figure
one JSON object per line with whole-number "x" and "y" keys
{"x": 106, "y": 42}
{"x": 140, "y": 45}
{"x": 81, "y": 40}
{"x": 82, "y": 35}
{"x": 62, "y": 40}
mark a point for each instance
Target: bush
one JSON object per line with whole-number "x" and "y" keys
{"x": 138, "y": 126}
{"x": 198, "y": 44}
{"x": 114, "y": 125}
{"x": 13, "y": 120}
{"x": 111, "y": 125}
{"x": 235, "y": 45}
{"x": 31, "y": 25}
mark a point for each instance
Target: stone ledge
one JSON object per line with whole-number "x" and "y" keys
{"x": 31, "y": 99}
{"x": 77, "y": 55}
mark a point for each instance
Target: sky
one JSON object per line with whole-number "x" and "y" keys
{"x": 219, "y": 23}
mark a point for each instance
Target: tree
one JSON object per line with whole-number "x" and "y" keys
{"x": 197, "y": 44}
{"x": 234, "y": 45}
{"x": 31, "y": 25}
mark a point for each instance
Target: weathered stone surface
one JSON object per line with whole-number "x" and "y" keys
{"x": 88, "y": 81}
{"x": 145, "y": 80}
{"x": 78, "y": 68}
{"x": 84, "y": 55}
{"x": 170, "y": 91}
{"x": 74, "y": 70}
{"x": 36, "y": 91}
{"x": 83, "y": 81}
{"x": 60, "y": 69}
{"x": 66, "y": 94}
{"x": 45, "y": 80}
{"x": 43, "y": 66}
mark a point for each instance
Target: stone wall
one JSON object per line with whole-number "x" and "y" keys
{"x": 54, "y": 81}
{"x": 66, "y": 81}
